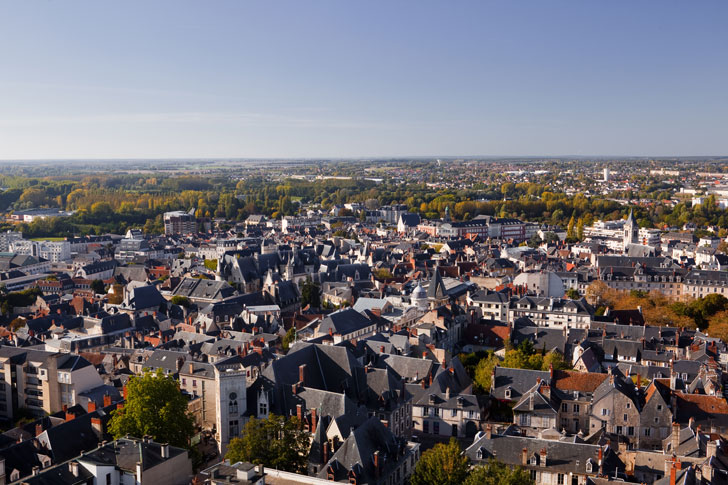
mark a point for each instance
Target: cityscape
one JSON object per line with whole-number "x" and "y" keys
{"x": 243, "y": 243}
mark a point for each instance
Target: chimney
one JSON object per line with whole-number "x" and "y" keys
{"x": 65, "y": 408}
{"x": 691, "y": 423}
{"x": 326, "y": 452}
{"x": 543, "y": 457}
{"x": 261, "y": 469}
{"x": 676, "y": 465}
{"x": 524, "y": 457}
{"x": 601, "y": 454}
{"x": 70, "y": 416}
{"x": 107, "y": 400}
{"x": 488, "y": 431}
{"x": 91, "y": 406}
{"x": 424, "y": 355}
{"x": 675, "y": 438}
{"x": 314, "y": 420}
{"x": 377, "y": 469}
{"x": 73, "y": 468}
{"x": 381, "y": 349}
{"x": 164, "y": 450}
{"x": 711, "y": 447}
{"x": 299, "y": 412}
{"x": 302, "y": 373}
{"x": 97, "y": 426}
{"x": 38, "y": 429}
{"x": 124, "y": 392}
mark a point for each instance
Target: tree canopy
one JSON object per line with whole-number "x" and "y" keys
{"x": 441, "y": 465}
{"x": 154, "y": 406}
{"x": 276, "y": 441}
{"x": 497, "y": 473}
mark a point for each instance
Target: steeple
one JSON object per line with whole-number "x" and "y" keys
{"x": 436, "y": 290}
{"x": 631, "y": 231}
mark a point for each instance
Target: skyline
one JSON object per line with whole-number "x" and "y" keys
{"x": 332, "y": 80}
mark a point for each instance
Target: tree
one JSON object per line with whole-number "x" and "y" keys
{"x": 497, "y": 473}
{"x": 154, "y": 406}
{"x": 98, "y": 286}
{"x": 180, "y": 300}
{"x": 573, "y": 294}
{"x": 484, "y": 372}
{"x": 441, "y": 465}
{"x": 310, "y": 294}
{"x": 275, "y": 441}
{"x": 289, "y": 338}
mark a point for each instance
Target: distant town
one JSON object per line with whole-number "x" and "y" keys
{"x": 555, "y": 321}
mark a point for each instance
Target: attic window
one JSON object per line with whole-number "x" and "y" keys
{"x": 508, "y": 393}
{"x": 588, "y": 467}
{"x": 533, "y": 460}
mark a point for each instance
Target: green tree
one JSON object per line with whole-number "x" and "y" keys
{"x": 484, "y": 372}
{"x": 98, "y": 286}
{"x": 497, "y": 473}
{"x": 154, "y": 406}
{"x": 289, "y": 338}
{"x": 180, "y": 300}
{"x": 573, "y": 294}
{"x": 310, "y": 294}
{"x": 275, "y": 441}
{"x": 441, "y": 465}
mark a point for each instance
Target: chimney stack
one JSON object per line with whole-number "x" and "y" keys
{"x": 377, "y": 469}
{"x": 543, "y": 457}
{"x": 107, "y": 400}
{"x": 38, "y": 429}
{"x": 302, "y": 374}
{"x": 675, "y": 438}
{"x": 488, "y": 431}
{"x": 524, "y": 457}
{"x": 314, "y": 420}
{"x": 91, "y": 406}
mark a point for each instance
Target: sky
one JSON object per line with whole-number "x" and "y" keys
{"x": 337, "y": 79}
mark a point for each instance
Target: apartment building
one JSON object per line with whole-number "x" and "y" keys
{"x": 53, "y": 251}
{"x": 42, "y": 382}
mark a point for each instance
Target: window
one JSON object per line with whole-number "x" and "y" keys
{"x": 564, "y": 407}
{"x": 437, "y": 411}
{"x": 263, "y": 408}
{"x": 454, "y": 413}
{"x": 425, "y": 411}
{"x": 630, "y": 431}
{"x": 233, "y": 404}
{"x": 426, "y": 426}
{"x": 619, "y": 430}
{"x": 108, "y": 479}
{"x": 436, "y": 427}
{"x": 659, "y": 407}
{"x": 533, "y": 475}
{"x": 605, "y": 412}
{"x": 624, "y": 417}
{"x": 647, "y": 431}
{"x": 588, "y": 467}
{"x": 233, "y": 428}
{"x": 560, "y": 479}
{"x": 576, "y": 408}
{"x": 629, "y": 405}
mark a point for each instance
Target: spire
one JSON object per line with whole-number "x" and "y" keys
{"x": 436, "y": 290}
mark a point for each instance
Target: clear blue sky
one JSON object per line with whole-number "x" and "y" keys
{"x": 214, "y": 78}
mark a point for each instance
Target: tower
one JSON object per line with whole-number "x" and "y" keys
{"x": 631, "y": 231}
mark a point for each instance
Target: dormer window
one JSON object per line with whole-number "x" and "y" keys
{"x": 508, "y": 393}
{"x": 533, "y": 460}
{"x": 588, "y": 467}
